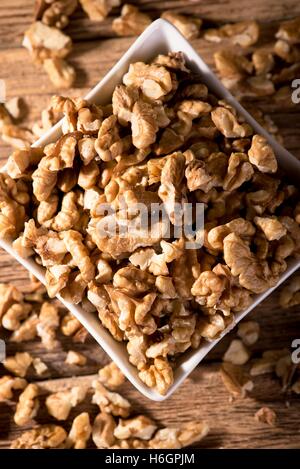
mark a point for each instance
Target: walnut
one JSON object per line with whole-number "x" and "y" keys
{"x": 227, "y": 123}
{"x": 243, "y": 33}
{"x": 263, "y": 61}
{"x": 42, "y": 437}
{"x": 28, "y": 405}
{"x": 60, "y": 72}
{"x": 100, "y": 299}
{"x": 138, "y": 427}
{"x": 253, "y": 275}
{"x": 45, "y": 42}
{"x": 98, "y": 10}
{"x": 69, "y": 324}
{"x": 75, "y": 246}
{"x": 266, "y": 415}
{"x": 47, "y": 325}
{"x": 236, "y": 380}
{"x": 154, "y": 81}
{"x": 55, "y": 13}
{"x": 132, "y": 312}
{"x": 17, "y": 137}
{"x": 5, "y": 117}
{"x": 290, "y": 294}
{"x": 188, "y": 26}
{"x": 110, "y": 402}
{"x": 289, "y": 31}
{"x": 148, "y": 259}
{"x": 159, "y": 375}
{"x": 80, "y": 432}
{"x": 103, "y": 430}
{"x": 143, "y": 125}
{"x": 239, "y": 171}
{"x": 20, "y": 161}
{"x": 179, "y": 437}
{"x": 123, "y": 100}
{"x": 132, "y": 22}
{"x": 237, "y": 353}
{"x": 59, "y": 404}
{"x": 239, "y": 226}
{"x": 8, "y": 384}
{"x": 171, "y": 179}
{"x": 133, "y": 281}
{"x": 267, "y": 363}
{"x": 249, "y": 331}
{"x": 271, "y": 227}
{"x": 232, "y": 67}
{"x": 9, "y": 295}
{"x": 111, "y": 376}
{"x": 211, "y": 327}
{"x": 262, "y": 155}
{"x": 39, "y": 367}
{"x": 109, "y": 144}
{"x": 18, "y": 364}
{"x": 27, "y": 330}
{"x": 75, "y": 358}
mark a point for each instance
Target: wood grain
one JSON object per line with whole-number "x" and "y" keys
{"x": 96, "y": 49}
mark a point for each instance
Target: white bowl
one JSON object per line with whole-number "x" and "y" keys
{"x": 159, "y": 38}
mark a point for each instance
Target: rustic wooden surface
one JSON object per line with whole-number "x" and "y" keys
{"x": 202, "y": 396}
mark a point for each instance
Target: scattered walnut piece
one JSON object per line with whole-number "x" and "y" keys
{"x": 187, "y": 25}
{"x": 289, "y": 31}
{"x": 60, "y": 404}
{"x": 55, "y": 12}
{"x": 236, "y": 380}
{"x": 28, "y": 405}
{"x": 290, "y": 294}
{"x": 27, "y": 330}
{"x": 16, "y": 108}
{"x": 179, "y": 437}
{"x": 43, "y": 437}
{"x": 98, "y": 10}
{"x": 110, "y": 402}
{"x": 47, "y": 325}
{"x": 249, "y": 331}
{"x": 18, "y": 364}
{"x": 237, "y": 353}
{"x": 17, "y": 137}
{"x": 244, "y": 33}
{"x": 137, "y": 427}
{"x": 45, "y": 42}
{"x": 8, "y": 384}
{"x": 75, "y": 358}
{"x": 266, "y": 415}
{"x": 132, "y": 22}
{"x": 39, "y": 366}
{"x": 60, "y": 72}
{"x": 111, "y": 376}
{"x": 267, "y": 363}
{"x": 69, "y": 324}
{"x": 80, "y": 432}
{"x": 103, "y": 430}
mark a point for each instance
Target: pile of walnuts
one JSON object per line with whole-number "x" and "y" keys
{"x": 164, "y": 139}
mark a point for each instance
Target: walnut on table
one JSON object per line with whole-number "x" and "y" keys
{"x": 42, "y": 437}
{"x": 132, "y": 22}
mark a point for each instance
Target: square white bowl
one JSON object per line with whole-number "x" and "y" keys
{"x": 159, "y": 38}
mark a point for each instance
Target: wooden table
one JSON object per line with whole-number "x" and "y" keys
{"x": 202, "y": 396}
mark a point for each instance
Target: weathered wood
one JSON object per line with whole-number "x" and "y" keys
{"x": 96, "y": 49}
